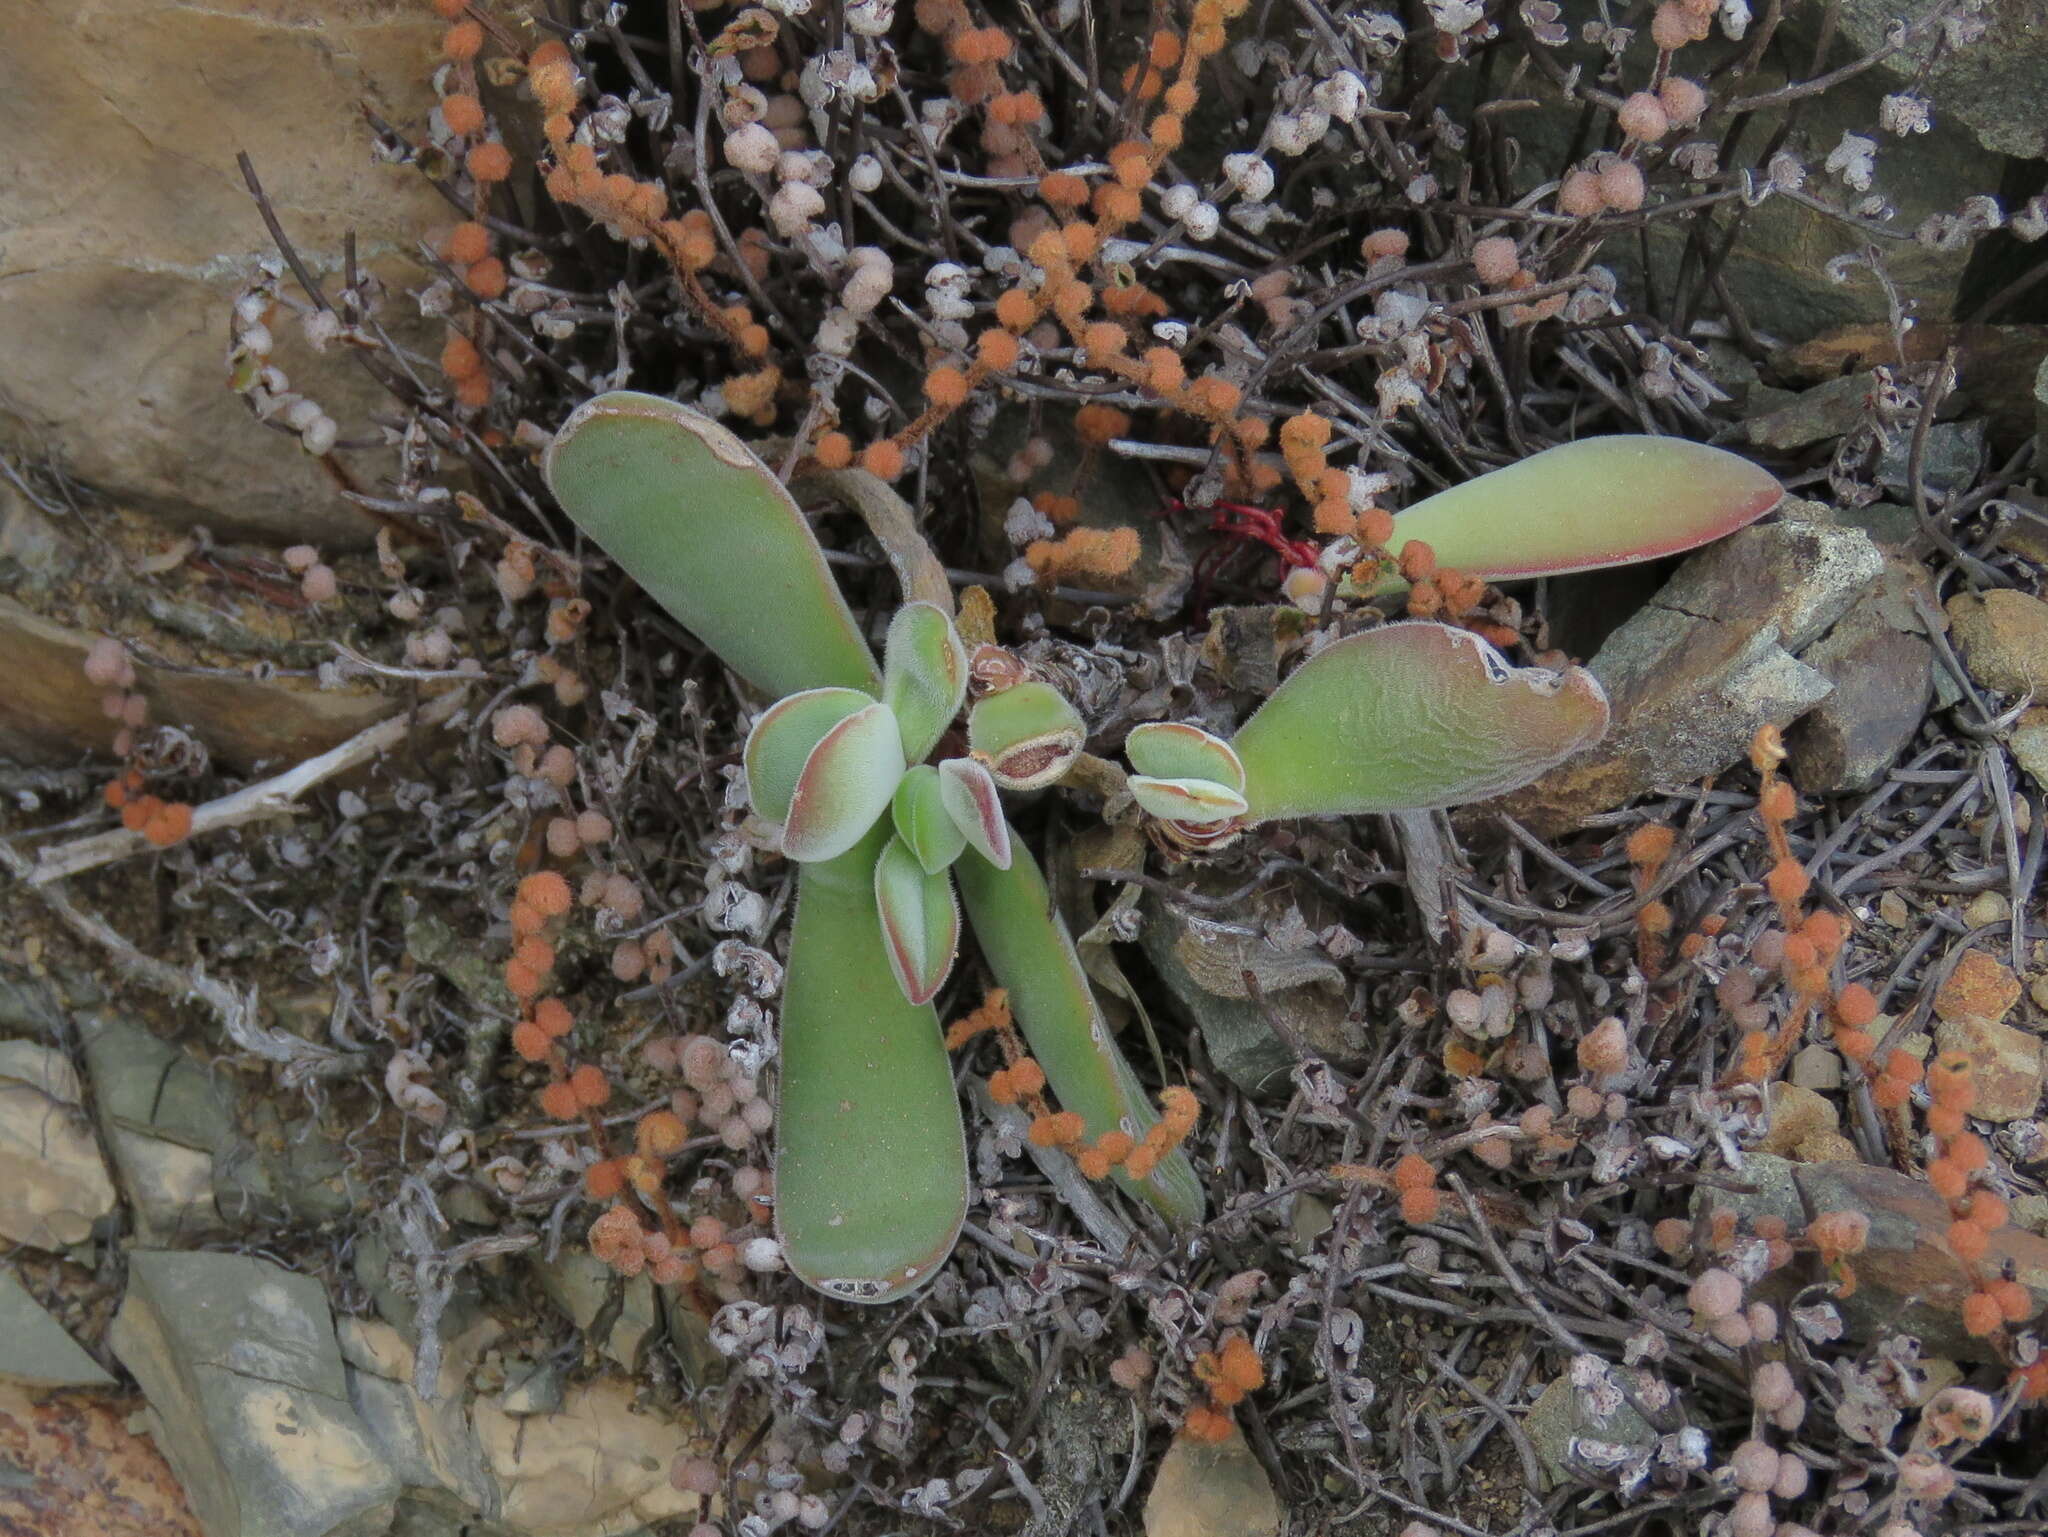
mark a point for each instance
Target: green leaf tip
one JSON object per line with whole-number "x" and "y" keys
{"x": 920, "y": 922}
{"x": 924, "y": 822}
{"x": 976, "y": 805}
{"x": 1175, "y": 750}
{"x": 783, "y": 739}
{"x": 1604, "y": 501}
{"x": 847, "y": 782}
{"x": 1027, "y": 737}
{"x": 691, "y": 514}
{"x": 1409, "y": 717}
{"x": 1200, "y": 801}
{"x": 924, "y": 676}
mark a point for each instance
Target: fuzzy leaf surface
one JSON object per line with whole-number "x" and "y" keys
{"x": 920, "y": 921}
{"x": 922, "y": 821}
{"x": 1175, "y": 750}
{"x": 871, "y": 1154}
{"x": 782, "y": 741}
{"x": 1027, "y": 736}
{"x": 1028, "y": 948}
{"x": 924, "y": 676}
{"x": 847, "y": 782}
{"x": 1410, "y": 717}
{"x": 976, "y": 806}
{"x": 710, "y": 533}
{"x": 1598, "y": 502}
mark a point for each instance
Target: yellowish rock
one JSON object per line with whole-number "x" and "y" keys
{"x": 2005, "y": 1065}
{"x": 1980, "y": 986}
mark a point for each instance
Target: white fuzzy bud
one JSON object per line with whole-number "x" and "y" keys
{"x": 753, "y": 147}
{"x": 1250, "y": 175}
{"x": 865, "y": 174}
{"x": 1202, "y": 220}
{"x": 793, "y": 208}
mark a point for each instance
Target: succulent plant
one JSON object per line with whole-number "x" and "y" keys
{"x": 891, "y": 838}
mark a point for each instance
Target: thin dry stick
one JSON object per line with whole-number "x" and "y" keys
{"x": 273, "y": 797}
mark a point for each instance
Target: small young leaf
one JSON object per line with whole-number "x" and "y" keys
{"x": 924, "y": 676}
{"x": 920, "y": 922}
{"x": 1027, "y": 736}
{"x": 706, "y": 528}
{"x": 782, "y": 740}
{"x": 1597, "y": 502}
{"x": 870, "y": 1152}
{"x": 1186, "y": 800}
{"x": 1409, "y": 717}
{"x": 976, "y": 807}
{"x": 848, "y": 781}
{"x": 1175, "y": 750}
{"x": 922, "y": 821}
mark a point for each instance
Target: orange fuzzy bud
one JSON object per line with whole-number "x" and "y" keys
{"x": 1062, "y": 189}
{"x": 530, "y": 1041}
{"x": 1130, "y": 164}
{"x": 558, "y": 1100}
{"x": 1180, "y": 97}
{"x": 883, "y": 460}
{"x": 170, "y": 822}
{"x": 1015, "y": 310}
{"x": 1981, "y": 1315}
{"x": 2015, "y": 1302}
{"x": 486, "y": 279}
{"x": 1116, "y": 1145}
{"x": 460, "y": 359}
{"x": 1207, "y": 1426}
{"x": 489, "y": 161}
{"x": 998, "y": 350}
{"x": 1417, "y": 561}
{"x": 463, "y": 114}
{"x": 660, "y": 1134}
{"x": 1081, "y": 239}
{"x": 1413, "y": 1172}
{"x": 1420, "y": 1206}
{"x": 1167, "y": 130}
{"x": 946, "y": 387}
{"x": 1778, "y": 803}
{"x": 1969, "y": 1152}
{"x": 1856, "y": 1045}
{"x": 1856, "y": 1005}
{"x": 1217, "y": 396}
{"x": 1093, "y": 1163}
{"x": 1787, "y": 883}
{"x": 1890, "y": 1094}
{"x": 554, "y": 1018}
{"x": 590, "y": 1087}
{"x": 521, "y": 980}
{"x": 1097, "y": 424}
{"x": 466, "y": 243}
{"x": 1002, "y": 1088}
{"x": 1651, "y": 844}
{"x": 1375, "y": 526}
{"x": 1117, "y": 205}
{"x": 1027, "y": 1075}
{"x": 835, "y": 451}
{"x": 1988, "y": 1210}
{"x": 605, "y": 1180}
{"x": 1948, "y": 1179}
{"x": 1163, "y": 52}
{"x": 1241, "y": 1366}
{"x": 1946, "y": 1121}
{"x": 545, "y": 891}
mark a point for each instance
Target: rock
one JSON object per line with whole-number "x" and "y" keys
{"x": 1562, "y": 1415}
{"x": 1995, "y": 85}
{"x": 1812, "y": 416}
{"x": 35, "y": 1350}
{"x": 53, "y": 1184}
{"x": 2028, "y": 740}
{"x": 1980, "y": 985}
{"x": 2005, "y": 1065}
{"x": 1801, "y": 1122}
{"x": 1816, "y": 1067}
{"x": 430, "y": 1447}
{"x": 1883, "y": 680}
{"x": 125, "y": 248}
{"x": 1907, "y": 1280}
{"x": 248, "y": 1398}
{"x": 1246, "y": 646}
{"x": 71, "y": 1467}
{"x": 1712, "y": 657}
{"x": 596, "y": 1469}
{"x": 1205, "y": 1490}
{"x": 1202, "y": 961}
{"x": 583, "y": 1286}
{"x": 49, "y": 713}
{"x": 1995, "y": 365}
{"x": 2003, "y": 635}
{"x": 162, "y": 1118}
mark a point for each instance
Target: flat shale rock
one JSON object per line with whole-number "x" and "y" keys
{"x": 53, "y": 1184}
{"x": 248, "y": 1398}
{"x": 1881, "y": 668}
{"x": 35, "y": 1350}
{"x": 1907, "y": 1280}
{"x": 2003, "y": 635}
{"x": 1712, "y": 657}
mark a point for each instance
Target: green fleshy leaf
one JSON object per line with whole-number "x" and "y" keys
{"x": 920, "y": 922}
{"x": 1186, "y": 800}
{"x": 1597, "y": 502}
{"x": 1031, "y": 954}
{"x": 848, "y": 781}
{"x": 1175, "y": 750}
{"x": 782, "y": 741}
{"x": 922, "y": 821}
{"x": 1027, "y": 736}
{"x": 924, "y": 676}
{"x": 976, "y": 807}
{"x": 871, "y": 1154}
{"x": 713, "y": 537}
{"x": 1410, "y": 717}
